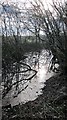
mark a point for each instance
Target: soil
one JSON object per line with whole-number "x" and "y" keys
{"x": 51, "y": 105}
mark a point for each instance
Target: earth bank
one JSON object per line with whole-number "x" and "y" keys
{"x": 51, "y": 105}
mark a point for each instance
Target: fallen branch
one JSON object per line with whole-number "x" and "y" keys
{"x": 26, "y": 79}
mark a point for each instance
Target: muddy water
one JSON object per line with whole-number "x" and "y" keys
{"x": 38, "y": 61}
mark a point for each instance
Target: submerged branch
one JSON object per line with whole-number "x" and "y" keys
{"x": 26, "y": 78}
{"x": 8, "y": 88}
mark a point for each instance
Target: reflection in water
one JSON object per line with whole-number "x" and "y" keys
{"x": 42, "y": 74}
{"x": 40, "y": 62}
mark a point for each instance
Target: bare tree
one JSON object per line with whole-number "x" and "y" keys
{"x": 54, "y": 27}
{"x": 12, "y": 23}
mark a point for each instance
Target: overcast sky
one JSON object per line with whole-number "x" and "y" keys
{"x": 19, "y": 1}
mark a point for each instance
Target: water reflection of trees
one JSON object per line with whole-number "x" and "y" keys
{"x": 17, "y": 77}
{"x": 33, "y": 58}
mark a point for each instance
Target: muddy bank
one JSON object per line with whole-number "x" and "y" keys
{"x": 52, "y": 104}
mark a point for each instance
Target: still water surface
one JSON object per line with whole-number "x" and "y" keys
{"x": 38, "y": 61}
